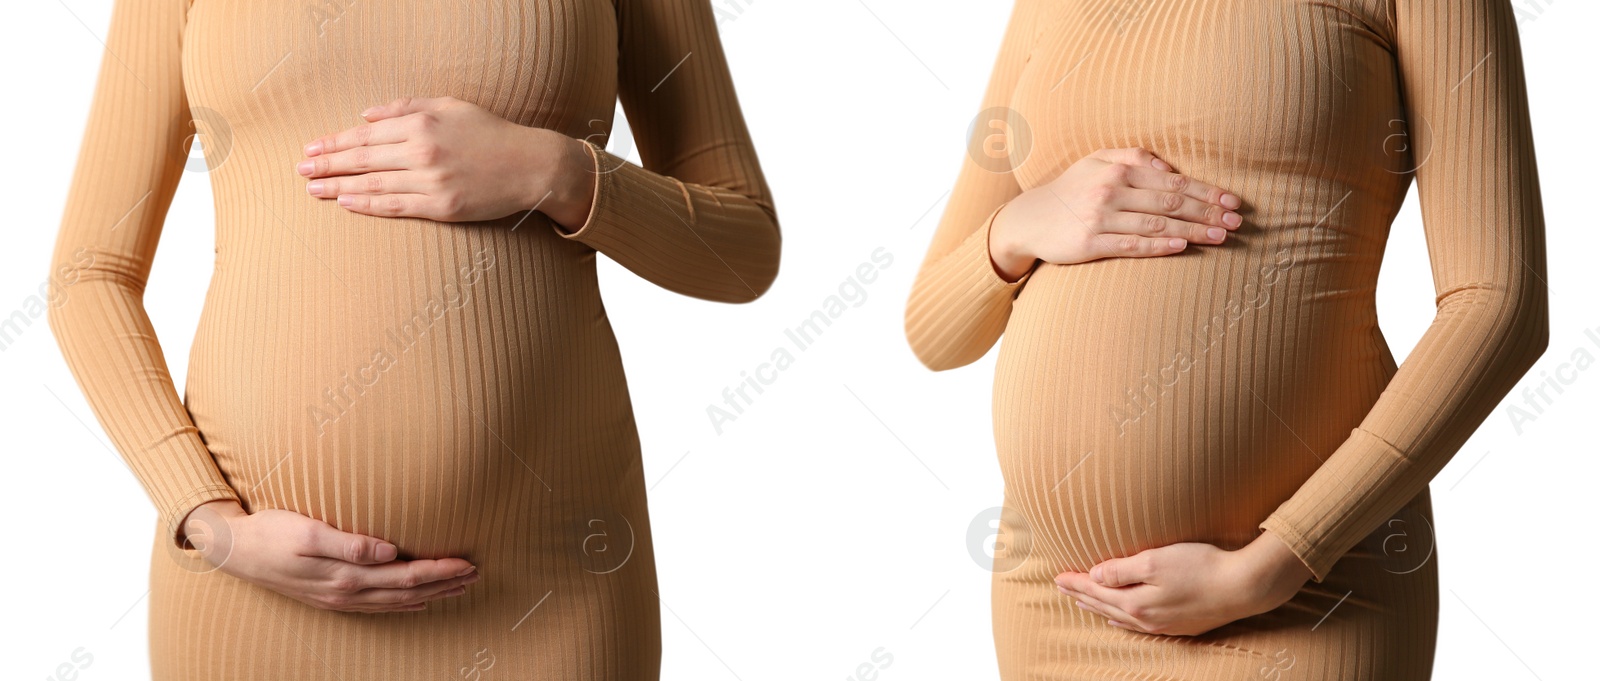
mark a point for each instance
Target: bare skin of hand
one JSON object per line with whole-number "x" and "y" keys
{"x": 1114, "y": 203}
{"x": 447, "y": 160}
{"x": 310, "y": 561}
{"x": 1189, "y": 589}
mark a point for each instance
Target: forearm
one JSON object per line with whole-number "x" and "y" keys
{"x": 1480, "y": 344}
{"x": 960, "y": 303}
{"x": 701, "y": 240}
{"x": 109, "y": 344}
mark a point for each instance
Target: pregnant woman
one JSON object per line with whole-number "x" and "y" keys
{"x": 407, "y": 431}
{"x": 1213, "y": 467}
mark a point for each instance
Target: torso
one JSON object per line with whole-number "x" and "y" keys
{"x": 452, "y": 388}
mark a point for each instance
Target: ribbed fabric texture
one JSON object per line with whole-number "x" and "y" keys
{"x": 452, "y": 388}
{"x": 1244, "y": 387}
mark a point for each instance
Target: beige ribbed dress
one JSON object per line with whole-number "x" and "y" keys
{"x": 452, "y": 388}
{"x": 1228, "y": 389}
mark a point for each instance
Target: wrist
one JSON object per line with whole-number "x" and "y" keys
{"x": 1274, "y": 568}
{"x": 206, "y": 522}
{"x": 563, "y": 179}
{"x": 1009, "y": 256}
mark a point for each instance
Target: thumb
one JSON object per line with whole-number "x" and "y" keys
{"x": 401, "y": 107}
{"x": 1117, "y": 572}
{"x": 352, "y": 548}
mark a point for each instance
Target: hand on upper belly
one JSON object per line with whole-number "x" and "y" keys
{"x": 1114, "y": 203}
{"x": 447, "y": 160}
{"x": 314, "y": 563}
{"x": 1188, "y": 589}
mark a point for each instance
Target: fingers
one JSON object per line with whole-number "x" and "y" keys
{"x": 1113, "y": 613}
{"x": 1133, "y": 246}
{"x": 365, "y": 135}
{"x": 407, "y": 574}
{"x": 1141, "y": 177}
{"x": 406, "y": 599}
{"x": 1080, "y": 583}
{"x": 1133, "y": 156}
{"x": 1153, "y": 202}
{"x": 392, "y": 586}
{"x": 326, "y": 542}
{"x": 381, "y": 182}
{"x": 361, "y": 160}
{"x": 1144, "y": 224}
{"x": 395, "y": 205}
{"x": 405, "y": 105}
{"x": 1119, "y": 604}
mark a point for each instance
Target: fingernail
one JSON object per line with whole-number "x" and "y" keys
{"x": 346, "y": 199}
{"x": 1216, "y": 234}
{"x": 370, "y": 110}
{"x": 305, "y": 167}
{"x": 1063, "y": 591}
{"x": 1232, "y": 219}
{"x": 469, "y": 569}
{"x": 1230, "y": 201}
{"x": 473, "y": 579}
{"x": 1095, "y": 572}
{"x": 456, "y": 591}
{"x": 314, "y": 187}
{"x": 1177, "y": 243}
{"x": 386, "y": 552}
{"x": 314, "y": 148}
{"x": 1162, "y": 165}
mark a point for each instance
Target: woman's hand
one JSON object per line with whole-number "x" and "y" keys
{"x": 310, "y": 561}
{"x": 1113, "y": 203}
{"x": 451, "y": 161}
{"x": 1189, "y": 589}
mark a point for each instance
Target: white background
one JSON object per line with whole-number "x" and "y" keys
{"x": 831, "y": 518}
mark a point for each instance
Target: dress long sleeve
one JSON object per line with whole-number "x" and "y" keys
{"x": 698, "y": 218}
{"x": 959, "y": 304}
{"x": 132, "y": 156}
{"x": 1461, "y": 68}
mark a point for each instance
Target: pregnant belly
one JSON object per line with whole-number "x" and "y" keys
{"x": 1140, "y": 403}
{"x": 469, "y": 416}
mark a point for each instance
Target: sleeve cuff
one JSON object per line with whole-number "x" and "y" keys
{"x": 603, "y": 164}
{"x": 1299, "y": 546}
{"x": 976, "y": 251}
{"x": 173, "y": 516}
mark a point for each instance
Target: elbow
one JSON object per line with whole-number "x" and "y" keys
{"x": 758, "y": 277}
{"x": 934, "y": 350}
{"x": 934, "y": 360}
{"x": 1521, "y": 331}
{"x": 1530, "y": 336}
{"x": 56, "y": 312}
